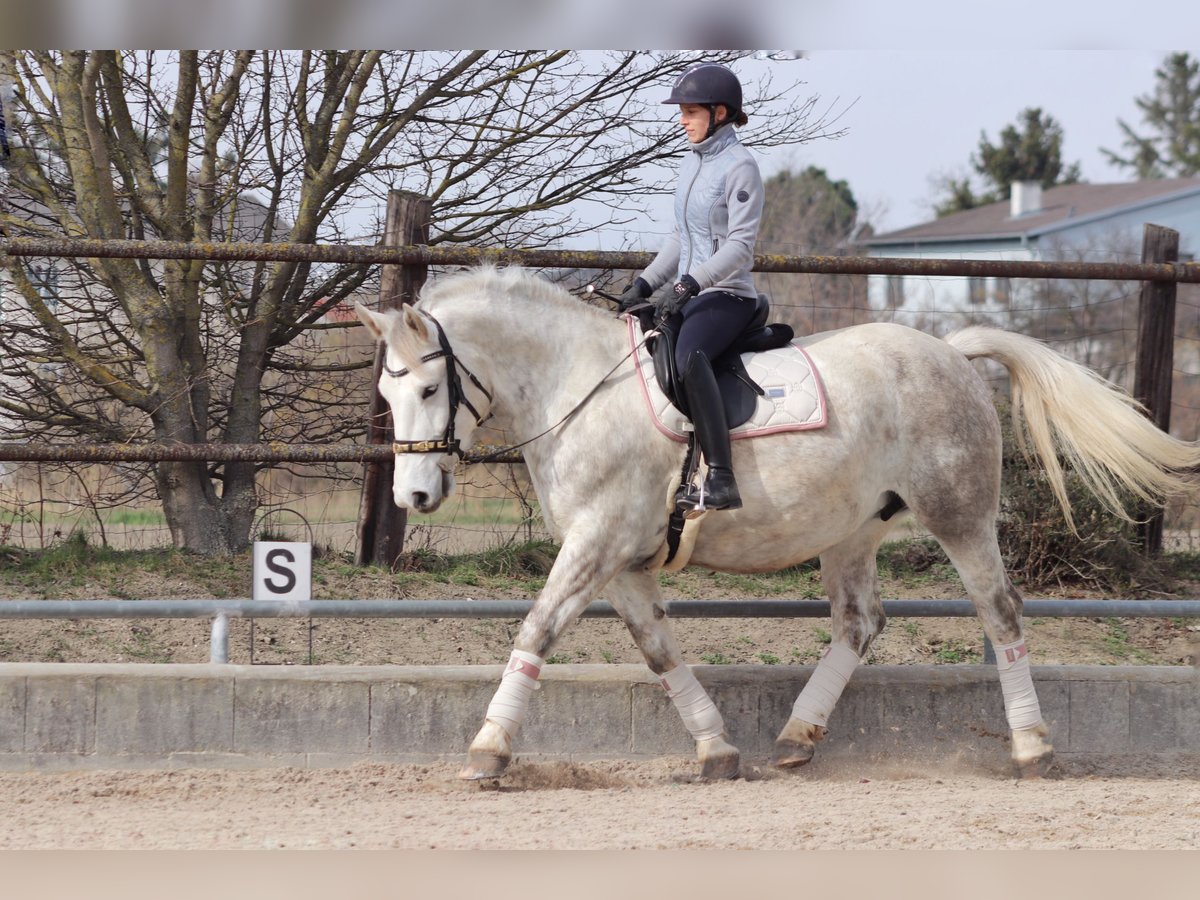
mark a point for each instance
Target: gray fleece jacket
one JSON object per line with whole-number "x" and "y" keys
{"x": 718, "y": 207}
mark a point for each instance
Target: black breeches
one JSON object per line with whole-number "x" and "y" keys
{"x": 711, "y": 322}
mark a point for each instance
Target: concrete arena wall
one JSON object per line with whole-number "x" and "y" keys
{"x": 61, "y": 716}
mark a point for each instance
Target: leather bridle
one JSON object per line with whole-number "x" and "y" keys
{"x": 448, "y": 443}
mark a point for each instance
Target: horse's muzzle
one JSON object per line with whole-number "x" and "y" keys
{"x": 425, "y": 501}
{"x": 422, "y": 504}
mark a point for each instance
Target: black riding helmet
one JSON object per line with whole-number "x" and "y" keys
{"x": 710, "y": 85}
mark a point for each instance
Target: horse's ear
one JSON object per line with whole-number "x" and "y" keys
{"x": 377, "y": 323}
{"x": 416, "y": 323}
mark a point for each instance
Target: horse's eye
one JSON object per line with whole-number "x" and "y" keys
{"x": 429, "y": 391}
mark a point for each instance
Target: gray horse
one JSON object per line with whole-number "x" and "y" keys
{"x": 911, "y": 427}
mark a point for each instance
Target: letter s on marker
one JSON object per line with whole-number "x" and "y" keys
{"x": 288, "y": 574}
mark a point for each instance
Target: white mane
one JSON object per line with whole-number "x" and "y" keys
{"x": 512, "y": 286}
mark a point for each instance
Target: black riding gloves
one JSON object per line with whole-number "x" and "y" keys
{"x": 685, "y": 289}
{"x": 636, "y": 293}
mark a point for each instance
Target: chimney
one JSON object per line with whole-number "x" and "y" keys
{"x": 1026, "y": 197}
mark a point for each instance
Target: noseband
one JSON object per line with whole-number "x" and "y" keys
{"x": 454, "y": 390}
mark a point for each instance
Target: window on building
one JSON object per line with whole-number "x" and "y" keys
{"x": 45, "y": 279}
{"x": 977, "y": 290}
{"x": 1002, "y": 291}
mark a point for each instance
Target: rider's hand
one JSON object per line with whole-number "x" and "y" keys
{"x": 636, "y": 293}
{"x": 685, "y": 289}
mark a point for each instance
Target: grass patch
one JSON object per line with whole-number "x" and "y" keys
{"x": 914, "y": 562}
{"x": 1117, "y": 641}
{"x": 71, "y": 561}
{"x": 955, "y": 652}
{"x": 530, "y": 558}
{"x": 132, "y": 516}
{"x": 143, "y": 649}
{"x": 481, "y": 511}
{"x": 801, "y": 582}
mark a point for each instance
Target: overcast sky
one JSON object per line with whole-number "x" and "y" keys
{"x": 917, "y": 114}
{"x": 913, "y": 115}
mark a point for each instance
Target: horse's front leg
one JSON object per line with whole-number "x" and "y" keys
{"x": 584, "y": 565}
{"x": 635, "y": 595}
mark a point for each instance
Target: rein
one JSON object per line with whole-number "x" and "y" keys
{"x": 449, "y": 444}
{"x": 578, "y": 406}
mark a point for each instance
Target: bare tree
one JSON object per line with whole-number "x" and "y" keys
{"x": 291, "y": 146}
{"x": 808, "y": 213}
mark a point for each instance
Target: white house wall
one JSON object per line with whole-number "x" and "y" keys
{"x": 1182, "y": 214}
{"x": 1108, "y": 238}
{"x": 929, "y": 302}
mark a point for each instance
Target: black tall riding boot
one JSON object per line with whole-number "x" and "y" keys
{"x": 712, "y": 433}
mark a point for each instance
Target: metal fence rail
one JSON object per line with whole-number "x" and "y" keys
{"x": 222, "y": 610}
{"x": 425, "y": 255}
{"x": 277, "y": 451}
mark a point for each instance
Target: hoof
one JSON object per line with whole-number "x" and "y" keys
{"x": 797, "y": 743}
{"x": 1032, "y": 769}
{"x": 721, "y": 768}
{"x": 1033, "y": 755}
{"x": 489, "y": 754}
{"x": 483, "y": 765}
{"x": 719, "y": 760}
{"x": 791, "y": 754}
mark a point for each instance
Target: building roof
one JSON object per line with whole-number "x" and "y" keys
{"x": 1062, "y": 207}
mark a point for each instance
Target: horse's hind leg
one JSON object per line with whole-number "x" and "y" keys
{"x": 976, "y": 555}
{"x": 851, "y": 579}
{"x": 635, "y": 595}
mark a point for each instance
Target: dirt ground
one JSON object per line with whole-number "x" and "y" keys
{"x": 598, "y": 805}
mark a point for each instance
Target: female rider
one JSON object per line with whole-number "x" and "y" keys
{"x": 718, "y": 205}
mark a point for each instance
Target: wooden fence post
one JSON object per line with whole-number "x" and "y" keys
{"x": 1155, "y": 362}
{"x": 381, "y": 523}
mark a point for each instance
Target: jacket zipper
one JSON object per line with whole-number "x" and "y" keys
{"x": 687, "y": 199}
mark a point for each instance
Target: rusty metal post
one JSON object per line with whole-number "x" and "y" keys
{"x": 381, "y": 524}
{"x": 1155, "y": 362}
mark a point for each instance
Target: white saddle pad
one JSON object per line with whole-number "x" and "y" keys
{"x": 794, "y": 400}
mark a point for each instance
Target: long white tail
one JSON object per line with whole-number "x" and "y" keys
{"x": 1101, "y": 431}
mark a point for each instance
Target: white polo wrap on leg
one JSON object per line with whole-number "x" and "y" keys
{"x": 511, "y": 700}
{"x": 820, "y": 695}
{"x": 695, "y": 707}
{"x": 1016, "y": 681}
